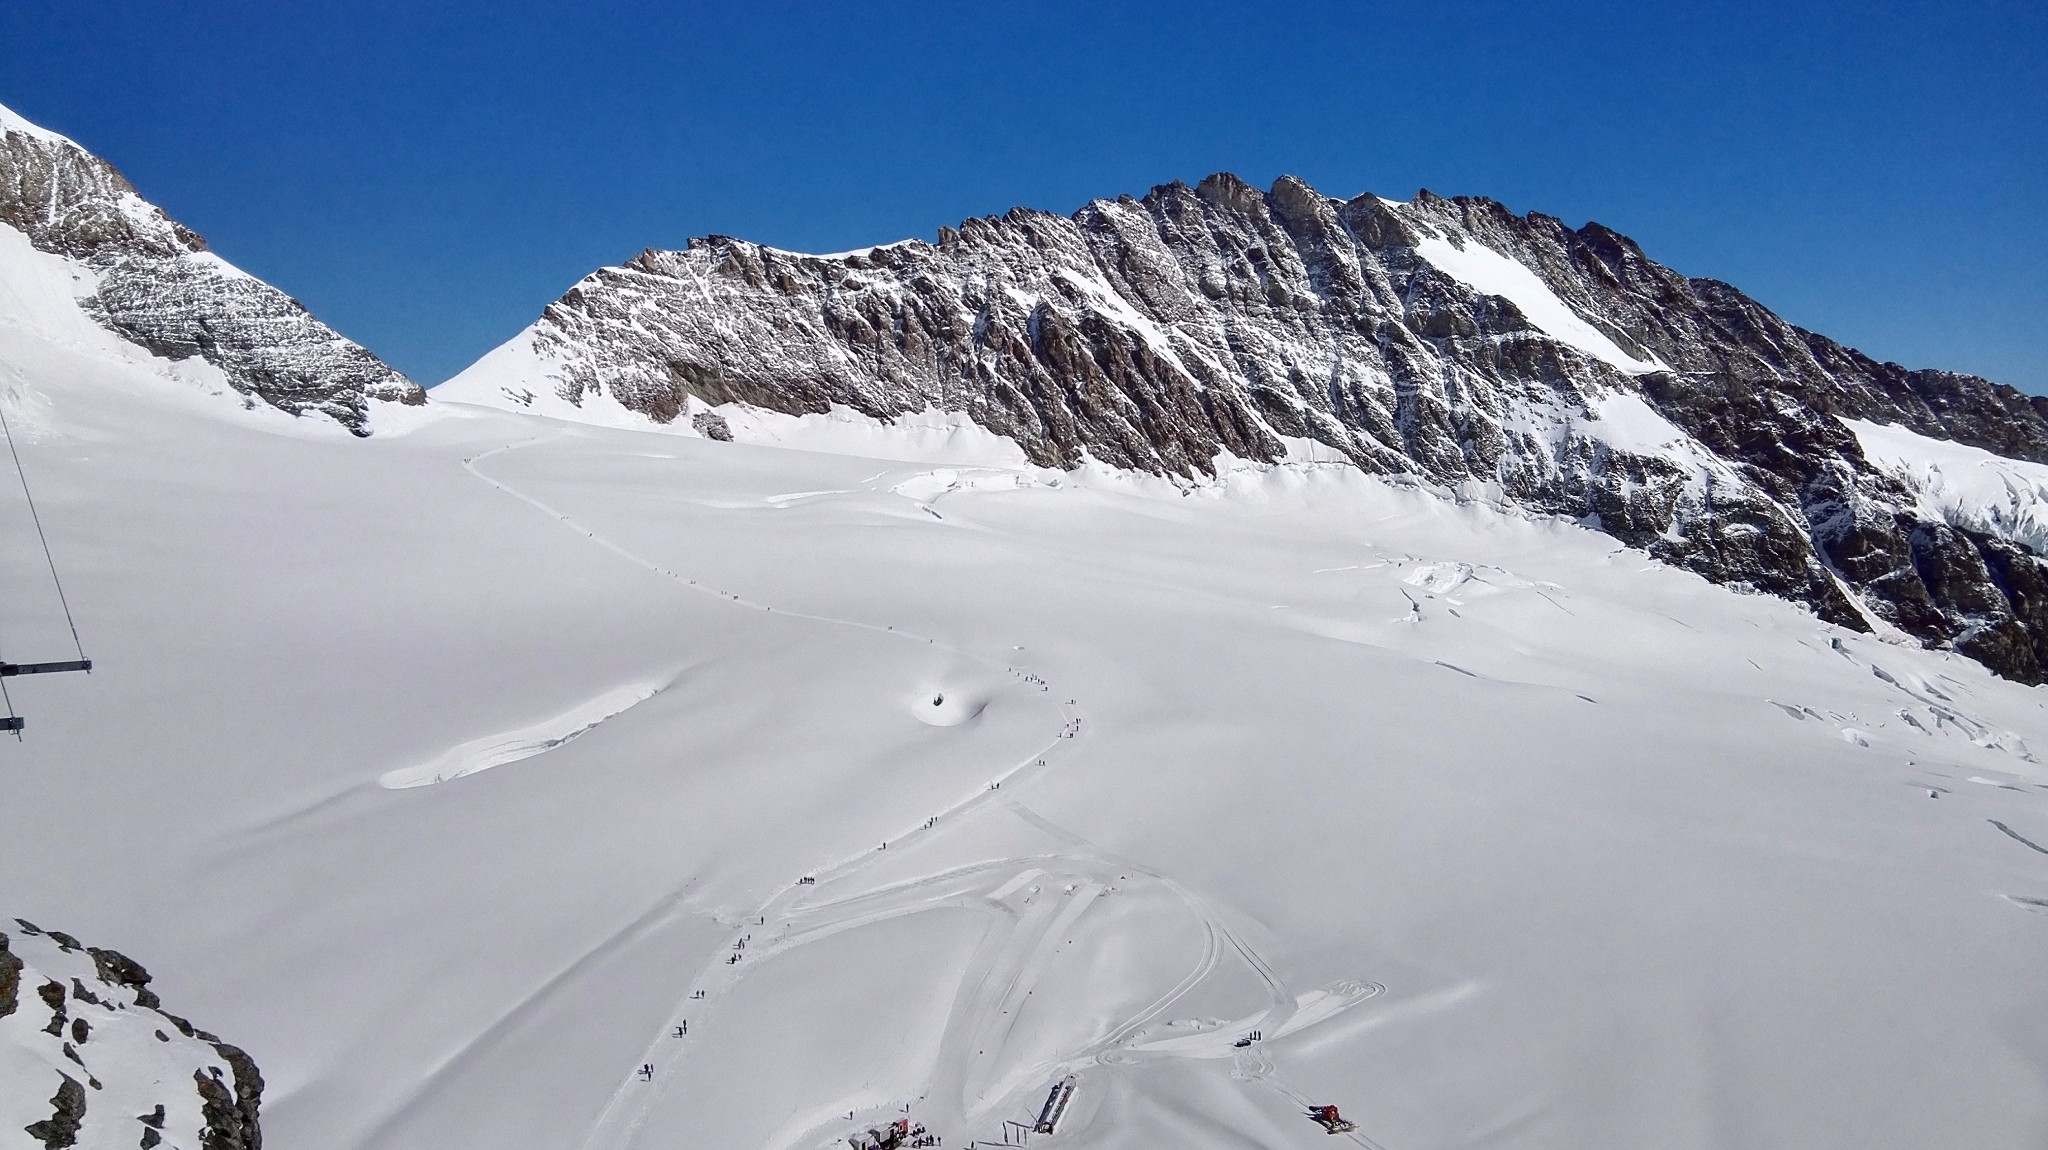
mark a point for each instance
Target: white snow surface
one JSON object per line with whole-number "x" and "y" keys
{"x": 496, "y": 750}
{"x": 1962, "y": 485}
{"x": 1487, "y": 271}
{"x": 1499, "y": 834}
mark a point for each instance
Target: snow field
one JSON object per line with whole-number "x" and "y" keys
{"x": 1489, "y": 272}
{"x": 1966, "y": 486}
{"x": 1558, "y": 639}
{"x": 1592, "y": 824}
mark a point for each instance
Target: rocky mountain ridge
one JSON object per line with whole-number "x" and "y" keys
{"x": 89, "y": 1053}
{"x": 1557, "y": 368}
{"x": 156, "y": 285}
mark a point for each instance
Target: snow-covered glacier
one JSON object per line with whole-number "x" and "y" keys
{"x": 516, "y": 780}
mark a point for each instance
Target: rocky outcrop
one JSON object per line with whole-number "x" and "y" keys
{"x": 157, "y": 286}
{"x": 67, "y": 1114}
{"x": 1556, "y": 368}
{"x": 10, "y": 979}
{"x": 113, "y": 1056}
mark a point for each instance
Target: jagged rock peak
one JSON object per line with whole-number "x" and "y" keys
{"x": 156, "y": 285}
{"x": 1448, "y": 339}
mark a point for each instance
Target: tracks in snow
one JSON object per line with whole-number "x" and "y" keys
{"x": 1008, "y": 965}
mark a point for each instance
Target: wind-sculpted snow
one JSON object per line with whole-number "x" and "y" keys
{"x": 1489, "y": 354}
{"x": 154, "y": 283}
{"x": 497, "y": 750}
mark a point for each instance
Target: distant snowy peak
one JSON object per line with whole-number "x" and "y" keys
{"x": 1557, "y": 368}
{"x": 154, "y": 284}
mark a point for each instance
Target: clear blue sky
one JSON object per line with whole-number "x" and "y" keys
{"x": 427, "y": 175}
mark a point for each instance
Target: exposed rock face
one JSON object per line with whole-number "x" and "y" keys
{"x": 112, "y": 1056}
{"x": 1676, "y": 414}
{"x": 712, "y": 425}
{"x": 157, "y": 286}
{"x": 67, "y": 1114}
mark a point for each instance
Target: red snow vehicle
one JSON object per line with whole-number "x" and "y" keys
{"x": 1332, "y": 1122}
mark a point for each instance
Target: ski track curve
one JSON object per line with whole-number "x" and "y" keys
{"x": 788, "y": 921}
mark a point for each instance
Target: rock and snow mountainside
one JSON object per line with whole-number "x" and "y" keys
{"x": 1445, "y": 339}
{"x": 90, "y": 1057}
{"x": 151, "y": 281}
{"x": 516, "y": 784}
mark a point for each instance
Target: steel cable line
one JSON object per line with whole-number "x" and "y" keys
{"x": 37, "y": 519}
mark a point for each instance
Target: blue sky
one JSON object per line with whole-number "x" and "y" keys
{"x": 427, "y": 175}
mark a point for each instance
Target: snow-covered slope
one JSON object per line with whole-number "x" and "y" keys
{"x": 149, "y": 280}
{"x": 459, "y": 775}
{"x": 1222, "y": 743}
{"x": 89, "y": 1057}
{"x": 1966, "y": 487}
{"x": 1449, "y": 341}
{"x": 1490, "y": 273}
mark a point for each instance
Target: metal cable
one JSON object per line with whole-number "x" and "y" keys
{"x": 38, "y": 521}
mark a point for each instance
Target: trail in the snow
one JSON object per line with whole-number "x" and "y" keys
{"x": 632, "y": 1102}
{"x": 628, "y": 1107}
{"x": 1282, "y": 1002}
{"x": 1009, "y": 963}
{"x": 1269, "y": 1079}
